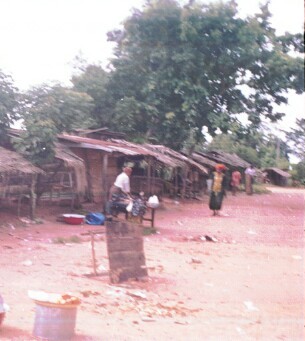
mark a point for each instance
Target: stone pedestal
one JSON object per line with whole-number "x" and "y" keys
{"x": 125, "y": 251}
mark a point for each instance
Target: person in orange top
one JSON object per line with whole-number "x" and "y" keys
{"x": 218, "y": 188}
{"x": 235, "y": 181}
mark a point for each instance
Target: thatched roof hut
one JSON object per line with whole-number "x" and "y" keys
{"x": 17, "y": 178}
{"x": 230, "y": 160}
{"x": 13, "y": 163}
{"x": 64, "y": 179}
{"x": 184, "y": 160}
{"x": 103, "y": 160}
{"x": 277, "y": 176}
{"x": 203, "y": 160}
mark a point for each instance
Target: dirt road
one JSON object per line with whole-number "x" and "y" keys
{"x": 245, "y": 284}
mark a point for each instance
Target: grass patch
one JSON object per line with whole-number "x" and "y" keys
{"x": 257, "y": 189}
{"x": 62, "y": 240}
{"x": 260, "y": 189}
{"x": 148, "y": 231}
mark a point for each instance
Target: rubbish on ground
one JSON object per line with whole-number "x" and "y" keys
{"x": 137, "y": 294}
{"x": 61, "y": 299}
{"x": 250, "y": 306}
{"x": 211, "y": 239}
{"x": 27, "y": 262}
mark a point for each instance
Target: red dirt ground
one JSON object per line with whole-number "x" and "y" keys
{"x": 247, "y": 285}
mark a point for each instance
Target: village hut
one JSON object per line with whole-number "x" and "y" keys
{"x": 228, "y": 159}
{"x": 189, "y": 179}
{"x": 210, "y": 164}
{"x": 64, "y": 180}
{"x": 277, "y": 176}
{"x": 18, "y": 179}
{"x": 231, "y": 161}
{"x": 104, "y": 161}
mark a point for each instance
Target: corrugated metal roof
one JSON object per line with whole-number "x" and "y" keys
{"x": 107, "y": 146}
{"x": 119, "y": 146}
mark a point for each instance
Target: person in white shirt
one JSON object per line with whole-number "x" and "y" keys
{"x": 119, "y": 194}
{"x": 249, "y": 179}
{"x": 122, "y": 182}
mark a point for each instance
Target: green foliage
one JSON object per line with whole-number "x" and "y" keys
{"x": 66, "y": 108}
{"x": 260, "y": 189}
{"x": 8, "y": 104}
{"x": 177, "y": 69}
{"x": 63, "y": 240}
{"x": 149, "y": 230}
{"x": 261, "y": 149}
{"x": 298, "y": 172}
{"x": 93, "y": 81}
{"x": 224, "y": 142}
{"x": 37, "y": 142}
{"x": 248, "y": 154}
{"x": 297, "y": 138}
{"x": 48, "y": 111}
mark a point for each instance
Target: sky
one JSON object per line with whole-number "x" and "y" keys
{"x": 41, "y": 38}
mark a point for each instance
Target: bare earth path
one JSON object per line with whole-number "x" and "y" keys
{"x": 246, "y": 285}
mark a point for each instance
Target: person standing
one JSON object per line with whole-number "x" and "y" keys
{"x": 249, "y": 179}
{"x": 235, "y": 181}
{"x": 218, "y": 188}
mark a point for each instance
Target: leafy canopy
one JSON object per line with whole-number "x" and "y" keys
{"x": 8, "y": 104}
{"x": 177, "y": 69}
{"x": 48, "y": 111}
{"x": 297, "y": 138}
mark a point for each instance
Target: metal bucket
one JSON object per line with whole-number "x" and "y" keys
{"x": 54, "y": 321}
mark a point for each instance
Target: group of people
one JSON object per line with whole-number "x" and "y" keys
{"x": 119, "y": 194}
{"x": 218, "y": 184}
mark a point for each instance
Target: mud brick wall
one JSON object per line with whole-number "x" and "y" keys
{"x": 125, "y": 251}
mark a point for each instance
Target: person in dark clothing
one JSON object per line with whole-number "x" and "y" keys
{"x": 218, "y": 190}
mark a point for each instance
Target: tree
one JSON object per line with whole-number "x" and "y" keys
{"x": 261, "y": 149}
{"x": 48, "y": 111}
{"x": 297, "y": 138}
{"x": 8, "y": 104}
{"x": 93, "y": 81}
{"x": 66, "y": 108}
{"x": 177, "y": 69}
{"x": 37, "y": 142}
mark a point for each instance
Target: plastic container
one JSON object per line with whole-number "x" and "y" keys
{"x": 54, "y": 321}
{"x": 74, "y": 219}
{"x": 95, "y": 218}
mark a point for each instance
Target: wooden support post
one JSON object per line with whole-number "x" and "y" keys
{"x": 93, "y": 253}
{"x": 105, "y": 181}
{"x": 149, "y": 176}
{"x": 152, "y": 218}
{"x": 33, "y": 197}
